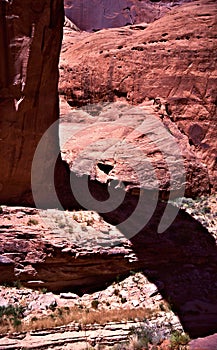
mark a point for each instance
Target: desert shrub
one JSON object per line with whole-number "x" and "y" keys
{"x": 137, "y": 343}
{"x": 32, "y": 222}
{"x": 16, "y": 322}
{"x": 206, "y": 210}
{"x": 140, "y": 335}
{"x": 178, "y": 338}
{"x": 123, "y": 300}
{"x": 148, "y": 334}
{"x": 11, "y": 310}
{"x": 60, "y": 311}
{"x": 116, "y": 292}
{"x": 162, "y": 307}
{"x": 44, "y": 290}
{"x": 12, "y": 314}
{"x": 34, "y": 319}
{"x": 53, "y": 306}
{"x": 118, "y": 279}
{"x": 95, "y": 304}
{"x": 17, "y": 284}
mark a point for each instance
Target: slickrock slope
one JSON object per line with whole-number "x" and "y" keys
{"x": 93, "y": 15}
{"x": 169, "y": 65}
{"x": 115, "y": 141}
{"x": 30, "y": 42}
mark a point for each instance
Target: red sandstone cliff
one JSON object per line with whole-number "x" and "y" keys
{"x": 166, "y": 60}
{"x": 30, "y": 42}
{"x": 177, "y": 63}
{"x": 169, "y": 66}
{"x": 94, "y": 15}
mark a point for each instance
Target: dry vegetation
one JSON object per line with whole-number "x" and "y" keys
{"x": 64, "y": 316}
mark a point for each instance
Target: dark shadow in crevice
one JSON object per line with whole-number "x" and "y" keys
{"x": 182, "y": 260}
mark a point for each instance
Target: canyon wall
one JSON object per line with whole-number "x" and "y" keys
{"x": 171, "y": 60}
{"x": 30, "y": 42}
{"x": 168, "y": 66}
{"x": 94, "y": 15}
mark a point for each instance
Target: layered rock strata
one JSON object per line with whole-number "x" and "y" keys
{"x": 79, "y": 252}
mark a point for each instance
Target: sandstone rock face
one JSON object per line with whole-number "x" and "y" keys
{"x": 208, "y": 343}
{"x": 30, "y": 40}
{"x": 168, "y": 68}
{"x": 77, "y": 337}
{"x": 169, "y": 64}
{"x": 68, "y": 23}
{"x": 97, "y": 14}
{"x": 53, "y": 249}
{"x": 133, "y": 146}
{"x": 79, "y": 252}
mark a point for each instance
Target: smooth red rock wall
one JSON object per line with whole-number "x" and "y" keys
{"x": 93, "y": 15}
{"x": 30, "y": 42}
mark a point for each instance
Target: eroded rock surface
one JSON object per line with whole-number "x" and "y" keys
{"x": 79, "y": 252}
{"x": 73, "y": 337}
{"x": 169, "y": 67}
{"x": 30, "y": 41}
{"x": 170, "y": 64}
{"x": 208, "y": 343}
{"x": 137, "y": 147}
{"x": 94, "y": 15}
{"x": 51, "y": 249}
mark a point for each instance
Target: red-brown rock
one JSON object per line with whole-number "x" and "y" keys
{"x": 93, "y": 15}
{"x": 79, "y": 252}
{"x": 208, "y": 343}
{"x": 30, "y": 41}
{"x": 171, "y": 64}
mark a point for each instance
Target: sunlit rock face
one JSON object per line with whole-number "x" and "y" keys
{"x": 168, "y": 68}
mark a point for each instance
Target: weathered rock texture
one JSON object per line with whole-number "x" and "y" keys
{"x": 80, "y": 252}
{"x": 76, "y": 338}
{"x": 116, "y": 141}
{"x": 30, "y": 41}
{"x": 170, "y": 64}
{"x": 55, "y": 251}
{"x": 207, "y": 343}
{"x": 172, "y": 59}
{"x": 97, "y": 14}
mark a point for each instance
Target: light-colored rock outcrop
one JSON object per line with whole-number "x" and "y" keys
{"x": 79, "y": 252}
{"x": 68, "y": 23}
